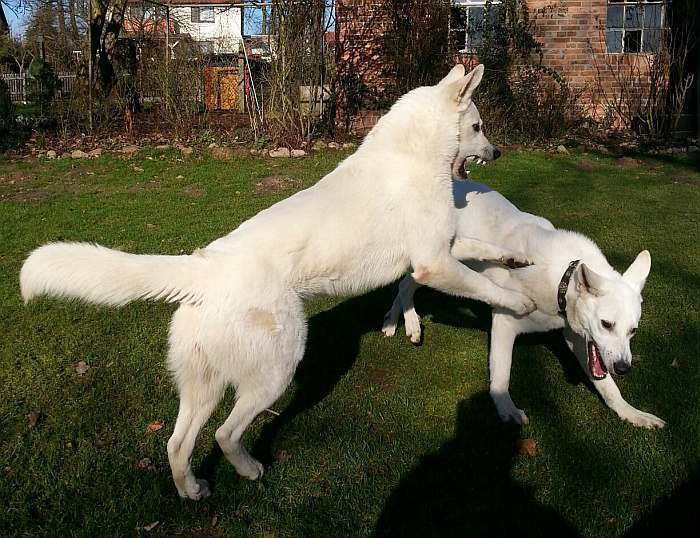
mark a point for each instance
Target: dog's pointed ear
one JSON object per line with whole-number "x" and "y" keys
{"x": 462, "y": 89}
{"x": 588, "y": 281}
{"x": 455, "y": 74}
{"x": 637, "y": 273}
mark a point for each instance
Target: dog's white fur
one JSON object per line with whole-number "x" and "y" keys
{"x": 241, "y": 321}
{"x": 596, "y": 293}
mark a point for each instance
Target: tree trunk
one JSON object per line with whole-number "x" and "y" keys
{"x": 75, "y": 37}
{"x": 108, "y": 44}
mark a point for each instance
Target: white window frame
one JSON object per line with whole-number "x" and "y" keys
{"x": 625, "y": 4}
{"x": 469, "y": 47}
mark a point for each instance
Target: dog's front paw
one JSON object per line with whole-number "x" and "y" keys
{"x": 642, "y": 419}
{"x": 520, "y": 304}
{"x": 516, "y": 261}
{"x": 413, "y": 328}
{"x": 390, "y": 323}
{"x": 507, "y": 410}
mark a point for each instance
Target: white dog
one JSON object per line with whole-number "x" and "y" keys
{"x": 241, "y": 321}
{"x": 573, "y": 285}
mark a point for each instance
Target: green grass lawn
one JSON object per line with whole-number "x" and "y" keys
{"x": 376, "y": 437}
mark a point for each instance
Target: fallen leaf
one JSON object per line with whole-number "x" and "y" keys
{"x": 527, "y": 447}
{"x": 32, "y": 419}
{"x": 149, "y": 527}
{"x": 154, "y": 426}
{"x": 146, "y": 464}
{"x": 675, "y": 363}
{"x": 137, "y": 168}
{"x": 82, "y": 368}
{"x": 282, "y": 456}
{"x": 150, "y": 226}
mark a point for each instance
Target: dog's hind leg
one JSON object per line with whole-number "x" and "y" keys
{"x": 251, "y": 400}
{"x": 503, "y": 332}
{"x": 200, "y": 389}
{"x": 273, "y": 352}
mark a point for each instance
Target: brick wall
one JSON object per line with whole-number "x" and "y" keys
{"x": 361, "y": 67}
{"x": 571, "y": 32}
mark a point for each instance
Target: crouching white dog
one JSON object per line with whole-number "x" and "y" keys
{"x": 573, "y": 285}
{"x": 241, "y": 320}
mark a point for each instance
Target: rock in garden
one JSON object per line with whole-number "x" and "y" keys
{"x": 298, "y": 153}
{"x": 320, "y": 145}
{"x": 221, "y": 154}
{"x": 51, "y": 154}
{"x": 79, "y": 154}
{"x": 333, "y": 145}
{"x": 130, "y": 150}
{"x": 562, "y": 149}
{"x": 186, "y": 150}
{"x": 95, "y": 152}
{"x": 349, "y": 145}
{"x": 279, "y": 152}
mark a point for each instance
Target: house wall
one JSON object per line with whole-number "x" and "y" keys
{"x": 225, "y": 33}
{"x": 361, "y": 68}
{"x": 571, "y": 32}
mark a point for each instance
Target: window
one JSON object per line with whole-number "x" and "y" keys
{"x": 635, "y": 25}
{"x": 466, "y": 24}
{"x": 202, "y": 14}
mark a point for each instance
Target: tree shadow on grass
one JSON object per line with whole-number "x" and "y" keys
{"x": 465, "y": 488}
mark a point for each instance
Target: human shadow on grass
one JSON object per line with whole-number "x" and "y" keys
{"x": 677, "y": 515}
{"x": 465, "y": 488}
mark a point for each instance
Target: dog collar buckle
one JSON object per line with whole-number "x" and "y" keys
{"x": 564, "y": 286}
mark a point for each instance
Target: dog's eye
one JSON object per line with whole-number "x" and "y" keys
{"x": 608, "y": 325}
{"x": 477, "y": 127}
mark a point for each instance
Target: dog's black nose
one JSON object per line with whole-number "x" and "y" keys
{"x": 496, "y": 153}
{"x": 621, "y": 367}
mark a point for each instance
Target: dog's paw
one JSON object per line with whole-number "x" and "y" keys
{"x": 413, "y": 327}
{"x": 389, "y": 329}
{"x": 507, "y": 410}
{"x": 516, "y": 261}
{"x": 248, "y": 467}
{"x": 515, "y": 415}
{"x": 643, "y": 420}
{"x": 199, "y": 491}
{"x": 390, "y": 323}
{"x": 520, "y": 304}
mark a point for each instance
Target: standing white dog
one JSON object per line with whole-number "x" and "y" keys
{"x": 573, "y": 285}
{"x": 241, "y": 321}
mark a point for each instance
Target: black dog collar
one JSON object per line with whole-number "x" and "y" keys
{"x": 564, "y": 286}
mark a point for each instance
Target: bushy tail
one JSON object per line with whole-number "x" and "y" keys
{"x": 108, "y": 277}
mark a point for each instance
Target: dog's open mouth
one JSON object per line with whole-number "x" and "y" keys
{"x": 475, "y": 159}
{"x": 595, "y": 363}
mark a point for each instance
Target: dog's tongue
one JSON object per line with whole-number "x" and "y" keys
{"x": 595, "y": 364}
